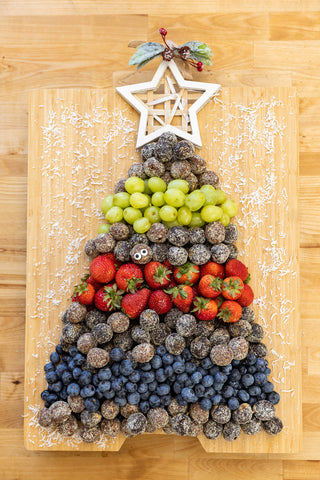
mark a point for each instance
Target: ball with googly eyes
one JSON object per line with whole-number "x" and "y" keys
{"x": 141, "y": 254}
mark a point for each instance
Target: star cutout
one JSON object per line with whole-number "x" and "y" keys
{"x": 149, "y": 110}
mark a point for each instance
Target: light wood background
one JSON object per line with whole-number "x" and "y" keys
{"x": 81, "y": 43}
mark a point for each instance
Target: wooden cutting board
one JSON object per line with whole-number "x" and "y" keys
{"x": 83, "y": 140}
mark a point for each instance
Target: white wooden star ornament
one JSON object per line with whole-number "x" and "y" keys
{"x": 168, "y": 103}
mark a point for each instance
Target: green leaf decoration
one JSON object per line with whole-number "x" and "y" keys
{"x": 200, "y": 52}
{"x": 145, "y": 53}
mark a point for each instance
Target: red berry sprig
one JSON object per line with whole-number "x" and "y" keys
{"x": 182, "y": 52}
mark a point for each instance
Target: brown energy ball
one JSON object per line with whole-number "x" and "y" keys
{"x": 111, "y": 428}
{"x": 231, "y": 233}
{"x": 180, "y": 169}
{"x": 76, "y": 404}
{"x": 163, "y": 151}
{"x": 177, "y": 256}
{"x": 86, "y": 342}
{"x": 137, "y": 170}
{"x": 178, "y": 236}
{"x": 123, "y": 340}
{"x": 90, "y": 248}
{"x": 175, "y": 344}
{"x": 157, "y": 233}
{"x": 148, "y": 150}
{"x": 198, "y": 164}
{"x": 149, "y": 319}
{"x": 200, "y": 347}
{"x": 158, "y": 417}
{"x": 247, "y": 314}
{"x": 241, "y": 328}
{"x": 120, "y": 186}
{"x": 239, "y": 347}
{"x": 168, "y": 137}
{"x": 166, "y": 177}
{"x": 174, "y": 408}
{"x": 76, "y": 312}
{"x": 198, "y": 414}
{"x": 69, "y": 427}
{"x": 221, "y": 414}
{"x": 119, "y": 322}
{"x": 219, "y": 253}
{"x": 119, "y": 231}
{"x": 204, "y": 329}
{"x": 141, "y": 254}
{"x": 220, "y": 336}
{"x": 233, "y": 252}
{"x": 273, "y": 426}
{"x": 208, "y": 177}
{"x": 196, "y": 429}
{"x": 259, "y": 349}
{"x": 94, "y": 317}
{"x": 71, "y": 332}
{"x": 90, "y": 419}
{"x": 181, "y": 424}
{"x": 186, "y": 325}
{"x": 264, "y": 410}
{"x": 199, "y": 254}
{"x": 44, "y": 417}
{"x": 212, "y": 429}
{"x": 196, "y": 235}
{"x": 172, "y": 317}
{"x": 215, "y": 232}
{"x": 97, "y": 357}
{"x": 242, "y": 414}
{"x": 153, "y": 167}
{"x": 138, "y": 238}
{"x": 231, "y": 431}
{"x": 183, "y": 149}
{"x": 128, "y": 410}
{"x": 256, "y": 334}
{"x": 159, "y": 334}
{"x": 139, "y": 335}
{"x": 252, "y": 427}
{"x": 90, "y": 435}
{"x": 109, "y": 410}
{"x": 150, "y": 428}
{"x": 143, "y": 353}
{"x": 105, "y": 243}
{"x": 122, "y": 251}
{"x": 221, "y": 355}
{"x": 159, "y": 252}
{"x": 192, "y": 182}
{"x": 59, "y": 412}
{"x": 136, "y": 424}
{"x": 102, "y": 333}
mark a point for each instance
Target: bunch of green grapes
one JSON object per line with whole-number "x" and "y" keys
{"x": 149, "y": 201}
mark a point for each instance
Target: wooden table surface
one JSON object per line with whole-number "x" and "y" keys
{"x": 66, "y": 43}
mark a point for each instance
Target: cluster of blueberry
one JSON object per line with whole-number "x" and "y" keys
{"x": 155, "y": 383}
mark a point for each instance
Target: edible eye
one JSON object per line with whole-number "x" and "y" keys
{"x": 144, "y": 252}
{"x": 137, "y": 256}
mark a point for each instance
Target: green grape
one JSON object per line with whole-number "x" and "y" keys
{"x": 221, "y": 197}
{"x": 230, "y": 207}
{"x": 210, "y": 193}
{"x": 115, "y": 214}
{"x": 146, "y": 188}
{"x": 174, "y": 197}
{"x": 184, "y": 216}
{"x": 157, "y": 199}
{"x": 152, "y": 214}
{"x": 107, "y": 203}
{"x": 211, "y": 213}
{"x": 174, "y": 223}
{"x": 156, "y": 184}
{"x": 134, "y": 184}
{"x": 196, "y": 220}
{"x": 104, "y": 228}
{"x": 139, "y": 200}
{"x": 168, "y": 213}
{"x": 141, "y": 225}
{"x": 180, "y": 184}
{"x": 121, "y": 199}
{"x": 131, "y": 214}
{"x": 225, "y": 220}
{"x": 195, "y": 200}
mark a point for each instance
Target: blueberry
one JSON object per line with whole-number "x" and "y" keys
{"x": 160, "y": 375}
{"x": 61, "y": 368}
{"x": 65, "y": 357}
{"x": 126, "y": 368}
{"x": 199, "y": 390}
{"x": 87, "y": 391}
{"x": 243, "y": 395}
{"x": 202, "y": 371}
{"x": 178, "y": 367}
{"x": 242, "y": 369}
{"x": 52, "y": 398}
{"x": 196, "y": 377}
{"x": 134, "y": 398}
{"x": 252, "y": 401}
{"x": 116, "y": 384}
{"x": 120, "y": 401}
{"x": 73, "y": 351}
{"x": 254, "y": 390}
{"x": 227, "y": 391}
{"x": 152, "y": 386}
{"x": 148, "y": 377}
{"x": 206, "y": 404}
{"x": 49, "y": 367}
{"x": 78, "y": 360}
{"x": 51, "y": 377}
{"x": 259, "y": 378}
{"x": 189, "y": 383}
{"x": 274, "y": 398}
{"x": 206, "y": 363}
{"x": 85, "y": 378}
{"x": 146, "y": 367}
{"x": 252, "y": 369}
{"x": 163, "y": 389}
{"x": 247, "y": 380}
{"x": 59, "y": 349}
{"x": 104, "y": 386}
{"x": 73, "y": 389}
{"x": 209, "y": 392}
{"x": 135, "y": 376}
{"x": 109, "y": 395}
{"x": 262, "y": 396}
{"x": 165, "y": 400}
{"x": 167, "y": 359}
{"x": 145, "y": 395}
{"x": 71, "y": 364}
{"x": 218, "y": 386}
{"x": 267, "y": 371}
{"x": 182, "y": 378}
{"x": 216, "y": 399}
{"x": 235, "y": 375}
{"x": 45, "y": 394}
{"x": 186, "y": 355}
{"x": 220, "y": 378}
{"x": 54, "y": 358}
{"x": 115, "y": 369}
{"x": 177, "y": 388}
{"x": 236, "y": 363}
{"x": 64, "y": 394}
{"x": 181, "y": 400}
{"x": 76, "y": 372}
{"x": 233, "y": 403}
{"x": 227, "y": 369}
{"x": 260, "y": 364}
{"x": 117, "y": 354}
{"x": 156, "y": 362}
{"x": 189, "y": 395}
{"x": 154, "y": 401}
{"x": 179, "y": 358}
{"x": 144, "y": 407}
{"x": 168, "y": 371}
{"x": 207, "y": 381}
{"x": 55, "y": 387}
{"x": 67, "y": 378}
{"x": 131, "y": 387}
{"x": 190, "y": 368}
{"x": 250, "y": 359}
{"x": 92, "y": 404}
{"x": 143, "y": 388}
{"x": 267, "y": 387}
{"x": 213, "y": 370}
{"x": 161, "y": 350}
{"x": 99, "y": 395}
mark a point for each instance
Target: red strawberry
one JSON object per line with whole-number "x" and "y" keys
{"x": 246, "y": 297}
{"x": 235, "y": 268}
{"x": 84, "y": 293}
{"x": 230, "y": 311}
{"x": 96, "y": 285}
{"x": 157, "y": 275}
{"x": 108, "y": 298}
{"x": 219, "y": 300}
{"x": 160, "y": 302}
{"x": 102, "y": 269}
{"x": 205, "y": 308}
{"x": 117, "y": 263}
{"x": 182, "y": 297}
{"x": 195, "y": 290}
{"x": 133, "y": 304}
{"x": 129, "y": 277}
{"x": 232, "y": 287}
{"x": 212, "y": 268}
{"x": 210, "y": 286}
{"x": 187, "y": 274}
{"x": 169, "y": 265}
